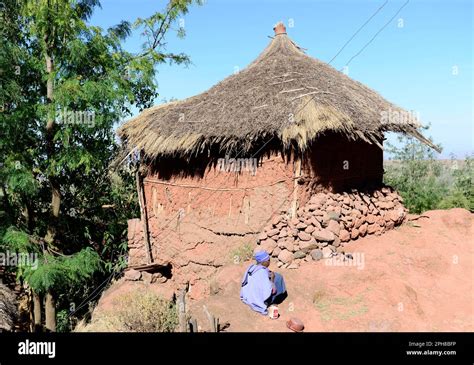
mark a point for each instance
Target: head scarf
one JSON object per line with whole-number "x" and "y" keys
{"x": 261, "y": 256}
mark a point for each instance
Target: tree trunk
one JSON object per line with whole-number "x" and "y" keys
{"x": 36, "y": 312}
{"x": 50, "y": 126}
{"x": 50, "y": 311}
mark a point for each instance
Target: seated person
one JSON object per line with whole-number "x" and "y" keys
{"x": 260, "y": 286}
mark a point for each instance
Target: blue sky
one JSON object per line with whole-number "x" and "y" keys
{"x": 421, "y": 61}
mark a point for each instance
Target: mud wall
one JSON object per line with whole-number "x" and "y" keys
{"x": 204, "y": 215}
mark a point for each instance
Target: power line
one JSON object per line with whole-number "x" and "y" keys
{"x": 378, "y": 32}
{"x": 358, "y": 30}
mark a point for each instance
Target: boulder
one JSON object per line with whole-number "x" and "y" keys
{"x": 386, "y": 205}
{"x": 355, "y": 213}
{"x": 318, "y": 199}
{"x": 344, "y": 235}
{"x": 354, "y": 233}
{"x": 147, "y": 277}
{"x": 273, "y": 232}
{"x": 301, "y": 225}
{"x": 318, "y": 213}
{"x": 285, "y": 256}
{"x": 323, "y": 244}
{"x": 307, "y": 246}
{"x": 334, "y": 227}
{"x": 269, "y": 244}
{"x": 303, "y": 236}
{"x": 289, "y": 245}
{"x": 372, "y": 228}
{"x": 132, "y": 275}
{"x": 299, "y": 255}
{"x": 281, "y": 225}
{"x": 363, "y": 229}
{"x": 158, "y": 278}
{"x": 360, "y": 206}
{"x": 366, "y": 199}
{"x": 276, "y": 252}
{"x": 283, "y": 233}
{"x": 359, "y": 222}
{"x": 314, "y": 221}
{"x": 389, "y": 225}
{"x": 262, "y": 236}
{"x": 276, "y": 220}
{"x": 307, "y": 220}
{"x": 397, "y": 215}
{"x": 337, "y": 242}
{"x": 282, "y": 242}
{"x": 309, "y": 229}
{"x": 334, "y": 215}
{"x": 293, "y": 265}
{"x": 323, "y": 235}
{"x": 370, "y": 219}
{"x": 380, "y": 221}
{"x": 327, "y": 252}
{"x": 316, "y": 255}
{"x": 293, "y": 222}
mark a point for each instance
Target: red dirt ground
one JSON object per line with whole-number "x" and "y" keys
{"x": 417, "y": 277}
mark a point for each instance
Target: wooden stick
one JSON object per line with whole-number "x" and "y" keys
{"x": 311, "y": 93}
{"x": 291, "y": 91}
{"x": 297, "y": 172}
{"x": 212, "y": 320}
{"x": 181, "y": 303}
{"x": 155, "y": 181}
{"x": 143, "y": 216}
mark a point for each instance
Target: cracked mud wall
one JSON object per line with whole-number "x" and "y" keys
{"x": 198, "y": 219}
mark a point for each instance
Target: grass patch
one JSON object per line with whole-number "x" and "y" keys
{"x": 241, "y": 253}
{"x": 341, "y": 308}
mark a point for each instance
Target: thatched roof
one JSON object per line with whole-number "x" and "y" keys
{"x": 284, "y": 95}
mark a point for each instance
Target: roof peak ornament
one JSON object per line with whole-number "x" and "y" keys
{"x": 279, "y": 28}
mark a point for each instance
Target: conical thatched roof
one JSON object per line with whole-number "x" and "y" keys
{"x": 283, "y": 95}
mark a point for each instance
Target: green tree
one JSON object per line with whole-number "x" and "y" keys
{"x": 415, "y": 173}
{"x": 65, "y": 85}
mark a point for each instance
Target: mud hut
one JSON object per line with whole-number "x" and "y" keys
{"x": 218, "y": 166}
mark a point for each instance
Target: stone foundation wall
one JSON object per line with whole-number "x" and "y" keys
{"x": 328, "y": 222}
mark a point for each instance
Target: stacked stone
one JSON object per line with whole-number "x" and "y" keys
{"x": 329, "y": 221}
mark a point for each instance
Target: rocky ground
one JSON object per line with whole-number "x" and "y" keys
{"x": 416, "y": 277}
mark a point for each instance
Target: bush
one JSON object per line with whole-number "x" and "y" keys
{"x": 137, "y": 311}
{"x": 426, "y": 183}
{"x": 242, "y": 253}
{"x": 147, "y": 312}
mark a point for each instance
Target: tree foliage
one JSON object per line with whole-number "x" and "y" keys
{"x": 425, "y": 182}
{"x": 65, "y": 85}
